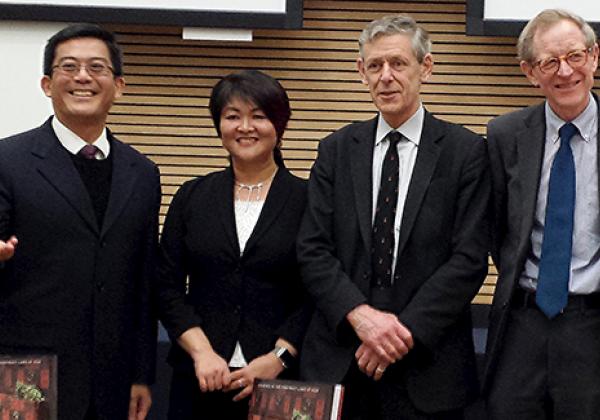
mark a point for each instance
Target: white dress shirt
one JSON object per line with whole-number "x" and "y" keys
{"x": 73, "y": 143}
{"x": 585, "y": 259}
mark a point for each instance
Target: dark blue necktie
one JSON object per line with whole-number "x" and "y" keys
{"x": 555, "y": 262}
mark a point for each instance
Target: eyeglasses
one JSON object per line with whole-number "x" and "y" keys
{"x": 574, "y": 59}
{"x": 95, "y": 68}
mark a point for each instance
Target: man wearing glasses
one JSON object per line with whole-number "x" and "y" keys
{"x": 544, "y": 341}
{"x": 78, "y": 234}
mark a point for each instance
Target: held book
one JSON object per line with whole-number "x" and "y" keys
{"x": 28, "y": 387}
{"x": 295, "y": 400}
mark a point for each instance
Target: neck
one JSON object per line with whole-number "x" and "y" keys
{"x": 88, "y": 131}
{"x": 253, "y": 174}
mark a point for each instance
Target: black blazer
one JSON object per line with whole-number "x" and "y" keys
{"x": 442, "y": 256}
{"x": 74, "y": 288}
{"x": 254, "y": 298}
{"x": 516, "y": 149}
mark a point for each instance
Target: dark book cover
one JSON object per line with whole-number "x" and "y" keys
{"x": 28, "y": 387}
{"x": 295, "y": 400}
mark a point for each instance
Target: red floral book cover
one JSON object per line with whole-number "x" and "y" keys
{"x": 28, "y": 387}
{"x": 295, "y": 400}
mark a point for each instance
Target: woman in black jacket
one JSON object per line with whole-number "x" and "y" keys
{"x": 230, "y": 293}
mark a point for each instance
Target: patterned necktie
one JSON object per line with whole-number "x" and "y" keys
{"x": 385, "y": 215}
{"x": 555, "y": 262}
{"x": 88, "y": 151}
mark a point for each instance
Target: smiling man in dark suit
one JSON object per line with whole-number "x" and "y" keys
{"x": 543, "y": 358}
{"x": 78, "y": 234}
{"x": 393, "y": 245}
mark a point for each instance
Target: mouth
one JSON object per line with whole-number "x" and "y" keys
{"x": 388, "y": 94}
{"x": 567, "y": 85}
{"x": 246, "y": 140}
{"x": 81, "y": 93}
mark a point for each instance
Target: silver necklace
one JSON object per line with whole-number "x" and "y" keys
{"x": 253, "y": 189}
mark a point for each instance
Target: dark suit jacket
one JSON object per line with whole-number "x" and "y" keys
{"x": 441, "y": 257}
{"x": 73, "y": 288}
{"x": 254, "y": 298}
{"x": 516, "y": 149}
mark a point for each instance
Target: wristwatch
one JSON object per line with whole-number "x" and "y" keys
{"x": 286, "y": 358}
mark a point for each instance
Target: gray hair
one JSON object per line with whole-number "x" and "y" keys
{"x": 545, "y": 19}
{"x": 397, "y": 24}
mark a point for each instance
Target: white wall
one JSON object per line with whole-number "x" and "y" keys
{"x": 23, "y": 105}
{"x": 525, "y": 10}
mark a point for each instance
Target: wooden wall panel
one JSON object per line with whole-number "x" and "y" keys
{"x": 164, "y": 111}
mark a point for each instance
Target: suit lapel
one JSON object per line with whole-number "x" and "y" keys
{"x": 123, "y": 179}
{"x": 274, "y": 204}
{"x": 224, "y": 207}
{"x": 530, "y": 151}
{"x": 56, "y": 166}
{"x": 361, "y": 165}
{"x": 427, "y": 158}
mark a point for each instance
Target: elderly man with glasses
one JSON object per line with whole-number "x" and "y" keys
{"x": 543, "y": 357}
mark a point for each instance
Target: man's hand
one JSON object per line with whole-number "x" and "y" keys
{"x": 382, "y": 332}
{"x": 370, "y": 363}
{"x": 139, "y": 402}
{"x": 7, "y": 249}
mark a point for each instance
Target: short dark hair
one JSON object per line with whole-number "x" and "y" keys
{"x": 260, "y": 89}
{"x": 84, "y": 30}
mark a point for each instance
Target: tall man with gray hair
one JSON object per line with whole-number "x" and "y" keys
{"x": 544, "y": 338}
{"x": 393, "y": 245}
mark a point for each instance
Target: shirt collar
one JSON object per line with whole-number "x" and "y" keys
{"x": 586, "y": 122}
{"x": 411, "y": 129}
{"x": 73, "y": 143}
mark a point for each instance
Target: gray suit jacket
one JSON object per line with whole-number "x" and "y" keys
{"x": 74, "y": 288}
{"x": 442, "y": 256}
{"x": 516, "y": 149}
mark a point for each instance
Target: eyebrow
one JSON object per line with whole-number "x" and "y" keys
{"x": 233, "y": 108}
{"x": 69, "y": 57}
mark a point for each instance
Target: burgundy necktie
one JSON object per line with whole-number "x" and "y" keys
{"x": 88, "y": 151}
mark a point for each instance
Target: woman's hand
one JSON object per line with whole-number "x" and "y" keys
{"x": 266, "y": 366}
{"x": 211, "y": 369}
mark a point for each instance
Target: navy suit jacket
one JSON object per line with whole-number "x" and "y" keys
{"x": 442, "y": 257}
{"x": 74, "y": 288}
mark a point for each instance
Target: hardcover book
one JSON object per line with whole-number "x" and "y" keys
{"x": 28, "y": 387}
{"x": 295, "y": 400}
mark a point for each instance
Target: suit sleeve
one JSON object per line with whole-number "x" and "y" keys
{"x": 5, "y": 210}
{"x": 331, "y": 288}
{"x": 498, "y": 201}
{"x": 175, "y": 313}
{"x": 147, "y": 315}
{"x": 442, "y": 298}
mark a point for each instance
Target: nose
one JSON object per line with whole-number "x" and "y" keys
{"x": 82, "y": 73}
{"x": 245, "y": 124}
{"x": 564, "y": 69}
{"x": 386, "y": 73}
